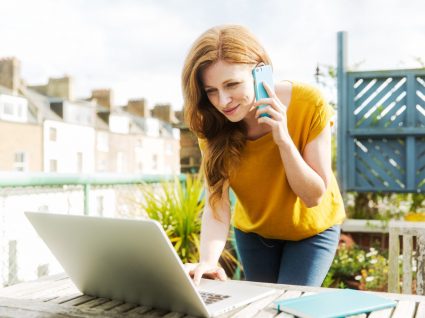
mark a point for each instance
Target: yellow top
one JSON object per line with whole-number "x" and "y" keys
{"x": 266, "y": 204}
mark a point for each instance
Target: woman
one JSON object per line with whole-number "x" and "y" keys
{"x": 288, "y": 206}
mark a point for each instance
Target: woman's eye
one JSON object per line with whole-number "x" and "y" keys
{"x": 209, "y": 92}
{"x": 233, "y": 84}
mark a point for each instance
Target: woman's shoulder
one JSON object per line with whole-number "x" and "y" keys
{"x": 300, "y": 92}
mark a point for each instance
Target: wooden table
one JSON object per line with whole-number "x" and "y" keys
{"x": 56, "y": 296}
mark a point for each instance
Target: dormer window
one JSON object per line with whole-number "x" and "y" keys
{"x": 13, "y": 108}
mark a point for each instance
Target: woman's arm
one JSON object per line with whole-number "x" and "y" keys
{"x": 214, "y": 233}
{"x": 307, "y": 173}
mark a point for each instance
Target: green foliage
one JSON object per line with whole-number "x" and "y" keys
{"x": 383, "y": 206}
{"x": 178, "y": 207}
{"x": 356, "y": 268}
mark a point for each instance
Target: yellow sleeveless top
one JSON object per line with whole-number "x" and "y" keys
{"x": 266, "y": 204}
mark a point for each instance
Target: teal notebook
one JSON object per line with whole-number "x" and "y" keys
{"x": 339, "y": 303}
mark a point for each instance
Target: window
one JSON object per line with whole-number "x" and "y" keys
{"x": 120, "y": 162}
{"x": 20, "y": 111}
{"x": 185, "y": 160}
{"x": 79, "y": 162}
{"x": 102, "y": 165}
{"x": 100, "y": 205}
{"x": 140, "y": 166}
{"x": 155, "y": 161}
{"x": 52, "y": 134}
{"x": 53, "y": 167}
{"x": 168, "y": 149}
{"x": 20, "y": 161}
{"x": 102, "y": 141}
{"x": 13, "y": 108}
{"x": 8, "y": 109}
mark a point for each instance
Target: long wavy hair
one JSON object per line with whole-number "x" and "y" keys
{"x": 224, "y": 139}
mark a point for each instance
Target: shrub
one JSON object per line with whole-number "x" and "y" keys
{"x": 178, "y": 207}
{"x": 356, "y": 268}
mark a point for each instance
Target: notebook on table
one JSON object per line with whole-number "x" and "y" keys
{"x": 134, "y": 261}
{"x": 338, "y": 303}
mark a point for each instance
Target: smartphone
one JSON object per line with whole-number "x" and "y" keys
{"x": 262, "y": 74}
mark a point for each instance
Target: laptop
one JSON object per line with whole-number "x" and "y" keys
{"x": 134, "y": 261}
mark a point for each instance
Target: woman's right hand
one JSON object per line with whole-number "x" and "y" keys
{"x": 197, "y": 270}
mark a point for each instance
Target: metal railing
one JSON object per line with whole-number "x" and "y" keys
{"x": 22, "y": 254}
{"x": 13, "y": 179}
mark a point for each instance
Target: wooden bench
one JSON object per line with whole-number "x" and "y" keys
{"x": 408, "y": 231}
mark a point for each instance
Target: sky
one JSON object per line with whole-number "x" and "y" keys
{"x": 137, "y": 47}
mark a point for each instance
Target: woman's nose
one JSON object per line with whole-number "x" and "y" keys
{"x": 224, "y": 99}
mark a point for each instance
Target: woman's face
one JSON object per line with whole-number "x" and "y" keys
{"x": 230, "y": 88}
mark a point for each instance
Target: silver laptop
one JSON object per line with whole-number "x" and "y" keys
{"x": 134, "y": 261}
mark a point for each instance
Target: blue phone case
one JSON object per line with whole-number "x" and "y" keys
{"x": 262, "y": 74}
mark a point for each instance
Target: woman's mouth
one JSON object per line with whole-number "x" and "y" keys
{"x": 230, "y": 111}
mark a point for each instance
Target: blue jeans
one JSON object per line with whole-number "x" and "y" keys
{"x": 305, "y": 262}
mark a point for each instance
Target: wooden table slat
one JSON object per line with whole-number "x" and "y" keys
{"x": 79, "y": 300}
{"x": 384, "y": 313}
{"x": 22, "y": 308}
{"x": 358, "y": 316}
{"x": 58, "y": 296}
{"x": 94, "y": 303}
{"x": 404, "y": 309}
{"x": 174, "y": 315}
{"x": 420, "y": 312}
{"x": 284, "y": 315}
{"x": 110, "y": 305}
{"x": 124, "y": 307}
{"x": 149, "y": 314}
{"x": 254, "y": 309}
{"x": 141, "y": 310}
{"x": 65, "y": 298}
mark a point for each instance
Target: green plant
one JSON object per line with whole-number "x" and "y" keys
{"x": 356, "y": 268}
{"x": 178, "y": 207}
{"x": 382, "y": 206}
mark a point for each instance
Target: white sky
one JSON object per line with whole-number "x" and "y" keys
{"x": 137, "y": 47}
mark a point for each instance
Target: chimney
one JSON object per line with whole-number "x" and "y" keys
{"x": 10, "y": 73}
{"x": 138, "y": 107}
{"x": 103, "y": 97}
{"x": 165, "y": 113}
{"x": 60, "y": 87}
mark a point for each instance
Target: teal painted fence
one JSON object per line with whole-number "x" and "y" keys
{"x": 381, "y": 128}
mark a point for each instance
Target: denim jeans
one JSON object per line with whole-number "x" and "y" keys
{"x": 305, "y": 262}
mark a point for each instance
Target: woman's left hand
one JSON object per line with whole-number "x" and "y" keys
{"x": 276, "y": 116}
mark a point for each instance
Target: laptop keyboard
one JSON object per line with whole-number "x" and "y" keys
{"x": 210, "y": 298}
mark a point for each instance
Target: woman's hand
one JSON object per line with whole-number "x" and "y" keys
{"x": 276, "y": 116}
{"x": 197, "y": 270}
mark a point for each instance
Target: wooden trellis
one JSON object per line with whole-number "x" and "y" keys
{"x": 381, "y": 128}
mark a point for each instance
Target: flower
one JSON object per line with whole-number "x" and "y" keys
{"x": 367, "y": 267}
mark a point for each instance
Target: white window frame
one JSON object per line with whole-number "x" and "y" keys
{"x": 13, "y": 108}
{"x": 21, "y": 165}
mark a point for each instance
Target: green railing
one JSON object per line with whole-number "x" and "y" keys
{"x": 20, "y": 179}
